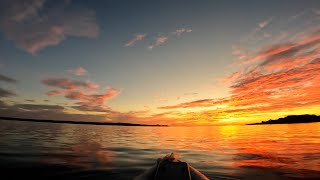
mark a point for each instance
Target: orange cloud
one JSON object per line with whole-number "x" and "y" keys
{"x": 281, "y": 77}
{"x": 198, "y": 103}
{"x": 278, "y": 51}
{"x": 97, "y": 99}
{"x": 68, "y": 84}
{"x": 54, "y": 93}
{"x": 82, "y": 93}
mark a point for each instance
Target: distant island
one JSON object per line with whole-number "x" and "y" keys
{"x": 292, "y": 119}
{"x": 75, "y": 122}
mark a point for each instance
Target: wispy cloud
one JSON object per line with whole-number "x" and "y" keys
{"x": 240, "y": 52}
{"x": 94, "y": 101}
{"x": 54, "y": 92}
{"x": 33, "y": 27}
{"x": 264, "y": 23}
{"x": 316, "y": 11}
{"x": 191, "y": 94}
{"x": 276, "y": 51}
{"x": 40, "y": 111}
{"x": 197, "y": 103}
{"x": 30, "y": 100}
{"x": 282, "y": 36}
{"x": 59, "y": 112}
{"x": 79, "y": 71}
{"x": 6, "y": 93}
{"x": 44, "y": 111}
{"x": 159, "y": 40}
{"x": 39, "y": 107}
{"x": 68, "y": 84}
{"x": 298, "y": 15}
{"x": 179, "y": 32}
{"x": 162, "y": 39}
{"x": 136, "y": 37}
{"x": 7, "y": 79}
{"x": 160, "y": 99}
{"x": 258, "y": 33}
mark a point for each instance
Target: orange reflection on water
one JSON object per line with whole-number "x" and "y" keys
{"x": 274, "y": 146}
{"x": 83, "y": 148}
{"x": 268, "y": 146}
{"x": 89, "y": 156}
{"x": 292, "y": 147}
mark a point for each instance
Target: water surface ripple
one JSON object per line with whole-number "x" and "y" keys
{"x": 68, "y": 151}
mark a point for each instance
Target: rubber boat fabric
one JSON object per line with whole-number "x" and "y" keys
{"x": 171, "y": 167}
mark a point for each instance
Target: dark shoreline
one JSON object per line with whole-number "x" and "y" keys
{"x": 292, "y": 119}
{"x": 76, "y": 122}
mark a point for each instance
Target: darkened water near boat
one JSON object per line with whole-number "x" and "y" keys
{"x": 67, "y": 151}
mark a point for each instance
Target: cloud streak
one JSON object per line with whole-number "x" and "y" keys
{"x": 136, "y": 38}
{"x": 6, "y": 93}
{"x": 93, "y": 102}
{"x": 181, "y": 31}
{"x": 197, "y": 103}
{"x": 265, "y": 23}
{"x": 45, "y": 111}
{"x": 278, "y": 51}
{"x": 7, "y": 79}
{"x": 68, "y": 84}
{"x": 316, "y": 11}
{"x": 37, "y": 107}
{"x": 79, "y": 71}
{"x": 159, "y": 40}
{"x": 32, "y": 26}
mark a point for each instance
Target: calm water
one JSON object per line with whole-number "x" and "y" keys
{"x": 66, "y": 151}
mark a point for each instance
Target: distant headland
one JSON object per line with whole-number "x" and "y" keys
{"x": 76, "y": 122}
{"x": 292, "y": 119}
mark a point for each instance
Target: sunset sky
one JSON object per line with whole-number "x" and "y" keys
{"x": 178, "y": 62}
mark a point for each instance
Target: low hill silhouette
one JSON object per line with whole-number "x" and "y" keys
{"x": 292, "y": 119}
{"x": 76, "y": 122}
